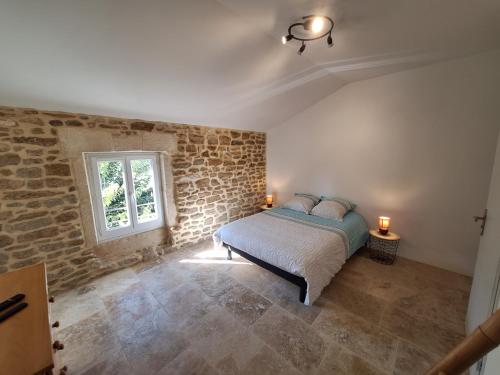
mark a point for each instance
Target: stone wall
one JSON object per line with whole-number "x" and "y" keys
{"x": 218, "y": 175}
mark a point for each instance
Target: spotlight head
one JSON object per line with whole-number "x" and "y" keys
{"x": 308, "y": 23}
{"x": 302, "y": 48}
{"x": 317, "y": 24}
{"x": 330, "y": 41}
{"x": 286, "y": 39}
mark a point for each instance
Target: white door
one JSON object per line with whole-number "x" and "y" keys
{"x": 491, "y": 363}
{"x": 483, "y": 299}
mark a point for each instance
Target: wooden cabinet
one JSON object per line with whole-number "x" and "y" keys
{"x": 26, "y": 344}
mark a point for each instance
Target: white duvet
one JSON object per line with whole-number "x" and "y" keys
{"x": 308, "y": 251}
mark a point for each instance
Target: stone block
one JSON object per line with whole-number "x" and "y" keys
{"x": 159, "y": 142}
{"x": 73, "y": 123}
{"x": 123, "y": 142}
{"x": 33, "y": 172}
{"x": 196, "y": 139}
{"x": 5, "y": 241}
{"x": 53, "y": 182}
{"x": 24, "y": 194}
{"x": 10, "y": 184}
{"x": 31, "y": 224}
{"x": 75, "y": 141}
{"x": 66, "y": 216}
{"x": 39, "y": 141}
{"x": 9, "y": 159}
{"x": 57, "y": 169}
{"x": 142, "y": 125}
{"x": 37, "y": 234}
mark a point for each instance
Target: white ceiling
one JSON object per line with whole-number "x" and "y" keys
{"x": 219, "y": 63}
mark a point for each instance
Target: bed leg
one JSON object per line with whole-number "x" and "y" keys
{"x": 229, "y": 255}
{"x": 302, "y": 294}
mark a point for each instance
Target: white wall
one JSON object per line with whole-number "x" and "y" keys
{"x": 416, "y": 145}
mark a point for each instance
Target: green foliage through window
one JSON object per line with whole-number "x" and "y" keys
{"x": 142, "y": 174}
{"x": 114, "y": 197}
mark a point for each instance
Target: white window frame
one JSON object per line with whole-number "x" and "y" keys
{"x": 91, "y": 160}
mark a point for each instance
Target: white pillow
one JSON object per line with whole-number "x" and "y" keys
{"x": 299, "y": 203}
{"x": 314, "y": 198}
{"x": 329, "y": 210}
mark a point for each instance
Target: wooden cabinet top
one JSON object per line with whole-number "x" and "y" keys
{"x": 25, "y": 338}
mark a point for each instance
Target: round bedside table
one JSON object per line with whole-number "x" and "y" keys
{"x": 265, "y": 208}
{"x": 383, "y": 248}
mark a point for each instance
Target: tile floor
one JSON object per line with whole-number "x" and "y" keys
{"x": 197, "y": 313}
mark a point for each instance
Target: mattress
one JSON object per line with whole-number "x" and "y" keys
{"x": 304, "y": 245}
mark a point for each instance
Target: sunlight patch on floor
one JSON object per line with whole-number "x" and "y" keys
{"x": 213, "y": 261}
{"x": 215, "y": 255}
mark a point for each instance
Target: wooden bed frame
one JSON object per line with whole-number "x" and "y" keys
{"x": 294, "y": 279}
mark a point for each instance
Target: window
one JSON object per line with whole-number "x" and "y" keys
{"x": 125, "y": 191}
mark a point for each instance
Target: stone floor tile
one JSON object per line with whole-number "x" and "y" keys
{"x": 286, "y": 295}
{"x": 379, "y": 287}
{"x": 367, "y": 340}
{"x": 292, "y": 338}
{"x": 188, "y": 363}
{"x": 401, "y": 276}
{"x": 115, "y": 364}
{"x": 87, "y": 342}
{"x": 161, "y": 277}
{"x": 252, "y": 276}
{"x": 411, "y": 360}
{"x": 339, "y": 361}
{"x": 151, "y": 342}
{"x": 114, "y": 282}
{"x": 76, "y": 305}
{"x": 267, "y": 362}
{"x": 219, "y": 337}
{"x": 423, "y": 333}
{"x": 434, "y": 277}
{"x": 354, "y": 300}
{"x": 129, "y": 306}
{"x": 185, "y": 304}
{"x": 214, "y": 284}
{"x": 447, "y": 312}
{"x": 246, "y": 305}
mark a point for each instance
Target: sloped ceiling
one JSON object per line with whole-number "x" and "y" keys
{"x": 219, "y": 63}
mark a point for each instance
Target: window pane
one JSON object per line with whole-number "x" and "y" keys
{"x": 113, "y": 191}
{"x": 144, "y": 189}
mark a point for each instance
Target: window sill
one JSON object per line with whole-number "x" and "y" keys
{"x": 103, "y": 241}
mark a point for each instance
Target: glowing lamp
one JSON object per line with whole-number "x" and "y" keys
{"x": 286, "y": 39}
{"x": 317, "y": 24}
{"x": 269, "y": 200}
{"x": 384, "y": 223}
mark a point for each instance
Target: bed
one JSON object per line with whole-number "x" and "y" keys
{"x": 305, "y": 249}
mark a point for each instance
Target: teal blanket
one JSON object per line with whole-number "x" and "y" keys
{"x": 353, "y": 227}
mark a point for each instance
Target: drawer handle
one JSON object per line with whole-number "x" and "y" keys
{"x": 55, "y": 324}
{"x": 57, "y": 345}
{"x": 52, "y": 299}
{"x": 63, "y": 370}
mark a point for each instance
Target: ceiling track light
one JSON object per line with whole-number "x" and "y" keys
{"x": 311, "y": 25}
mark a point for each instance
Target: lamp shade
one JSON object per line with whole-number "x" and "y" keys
{"x": 269, "y": 200}
{"x": 384, "y": 223}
